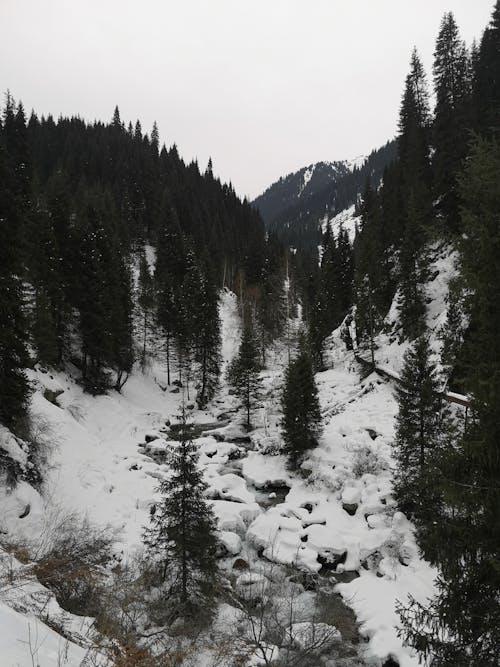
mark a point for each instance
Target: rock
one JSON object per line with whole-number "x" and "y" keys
{"x": 350, "y": 508}
{"x": 52, "y": 394}
{"x": 149, "y": 437}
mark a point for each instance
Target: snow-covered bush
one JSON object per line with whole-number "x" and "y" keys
{"x": 366, "y": 461}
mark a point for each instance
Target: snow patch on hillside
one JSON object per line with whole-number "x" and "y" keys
{"x": 306, "y": 178}
{"x": 346, "y": 219}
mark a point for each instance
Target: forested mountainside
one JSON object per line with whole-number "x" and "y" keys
{"x": 80, "y": 201}
{"x": 217, "y": 450}
{"x": 302, "y": 184}
{"x": 295, "y": 206}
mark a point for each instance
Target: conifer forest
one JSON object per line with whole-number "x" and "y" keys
{"x": 245, "y": 433}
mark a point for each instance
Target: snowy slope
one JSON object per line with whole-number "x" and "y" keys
{"x": 346, "y": 219}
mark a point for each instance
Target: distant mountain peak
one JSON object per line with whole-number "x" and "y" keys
{"x": 296, "y": 205}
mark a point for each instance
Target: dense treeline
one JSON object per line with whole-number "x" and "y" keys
{"x": 444, "y": 187}
{"x": 80, "y": 203}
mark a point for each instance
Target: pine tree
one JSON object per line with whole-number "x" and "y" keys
{"x": 451, "y": 117}
{"x": 414, "y": 146}
{"x": 418, "y": 433}
{"x": 413, "y": 265}
{"x": 243, "y": 373}
{"x": 145, "y": 301}
{"x": 14, "y": 205}
{"x": 208, "y": 339}
{"x": 169, "y": 274}
{"x": 461, "y": 625}
{"x": 486, "y": 87}
{"x": 182, "y": 532}
{"x": 301, "y": 411}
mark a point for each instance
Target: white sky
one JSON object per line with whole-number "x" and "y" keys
{"x": 263, "y": 86}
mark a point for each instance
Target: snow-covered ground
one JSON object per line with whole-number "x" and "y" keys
{"x": 337, "y": 515}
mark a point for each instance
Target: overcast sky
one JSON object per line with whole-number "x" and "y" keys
{"x": 263, "y": 86}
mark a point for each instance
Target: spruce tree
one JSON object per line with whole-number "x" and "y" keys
{"x": 461, "y": 625}
{"x": 243, "y": 372}
{"x": 451, "y": 116}
{"x": 14, "y": 205}
{"x": 418, "y": 433}
{"x": 145, "y": 301}
{"x": 413, "y": 271}
{"x": 208, "y": 339}
{"x": 486, "y": 86}
{"x": 182, "y": 532}
{"x": 301, "y": 410}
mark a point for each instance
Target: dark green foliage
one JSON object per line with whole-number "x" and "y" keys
{"x": 461, "y": 626}
{"x": 145, "y": 300}
{"x": 418, "y": 433}
{"x": 208, "y": 339}
{"x": 296, "y": 219}
{"x": 333, "y": 291}
{"x": 103, "y": 296}
{"x": 374, "y": 282}
{"x": 413, "y": 272}
{"x": 243, "y": 373}
{"x": 486, "y": 86}
{"x": 301, "y": 410}
{"x": 182, "y": 532}
{"x": 451, "y": 117}
{"x": 453, "y": 331}
{"x": 14, "y": 205}
{"x": 274, "y": 295}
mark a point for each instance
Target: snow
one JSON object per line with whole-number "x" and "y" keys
{"x": 346, "y": 219}
{"x": 12, "y": 446}
{"x": 307, "y": 177}
{"x": 265, "y": 471}
{"x": 23, "y": 636}
{"x": 230, "y": 541}
{"x": 338, "y": 512}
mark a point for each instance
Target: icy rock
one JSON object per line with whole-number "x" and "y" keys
{"x": 230, "y": 541}
{"x": 351, "y": 495}
{"x": 230, "y": 487}
{"x": 234, "y": 517}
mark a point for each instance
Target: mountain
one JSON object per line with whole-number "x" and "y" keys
{"x": 295, "y": 206}
{"x": 300, "y": 186}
